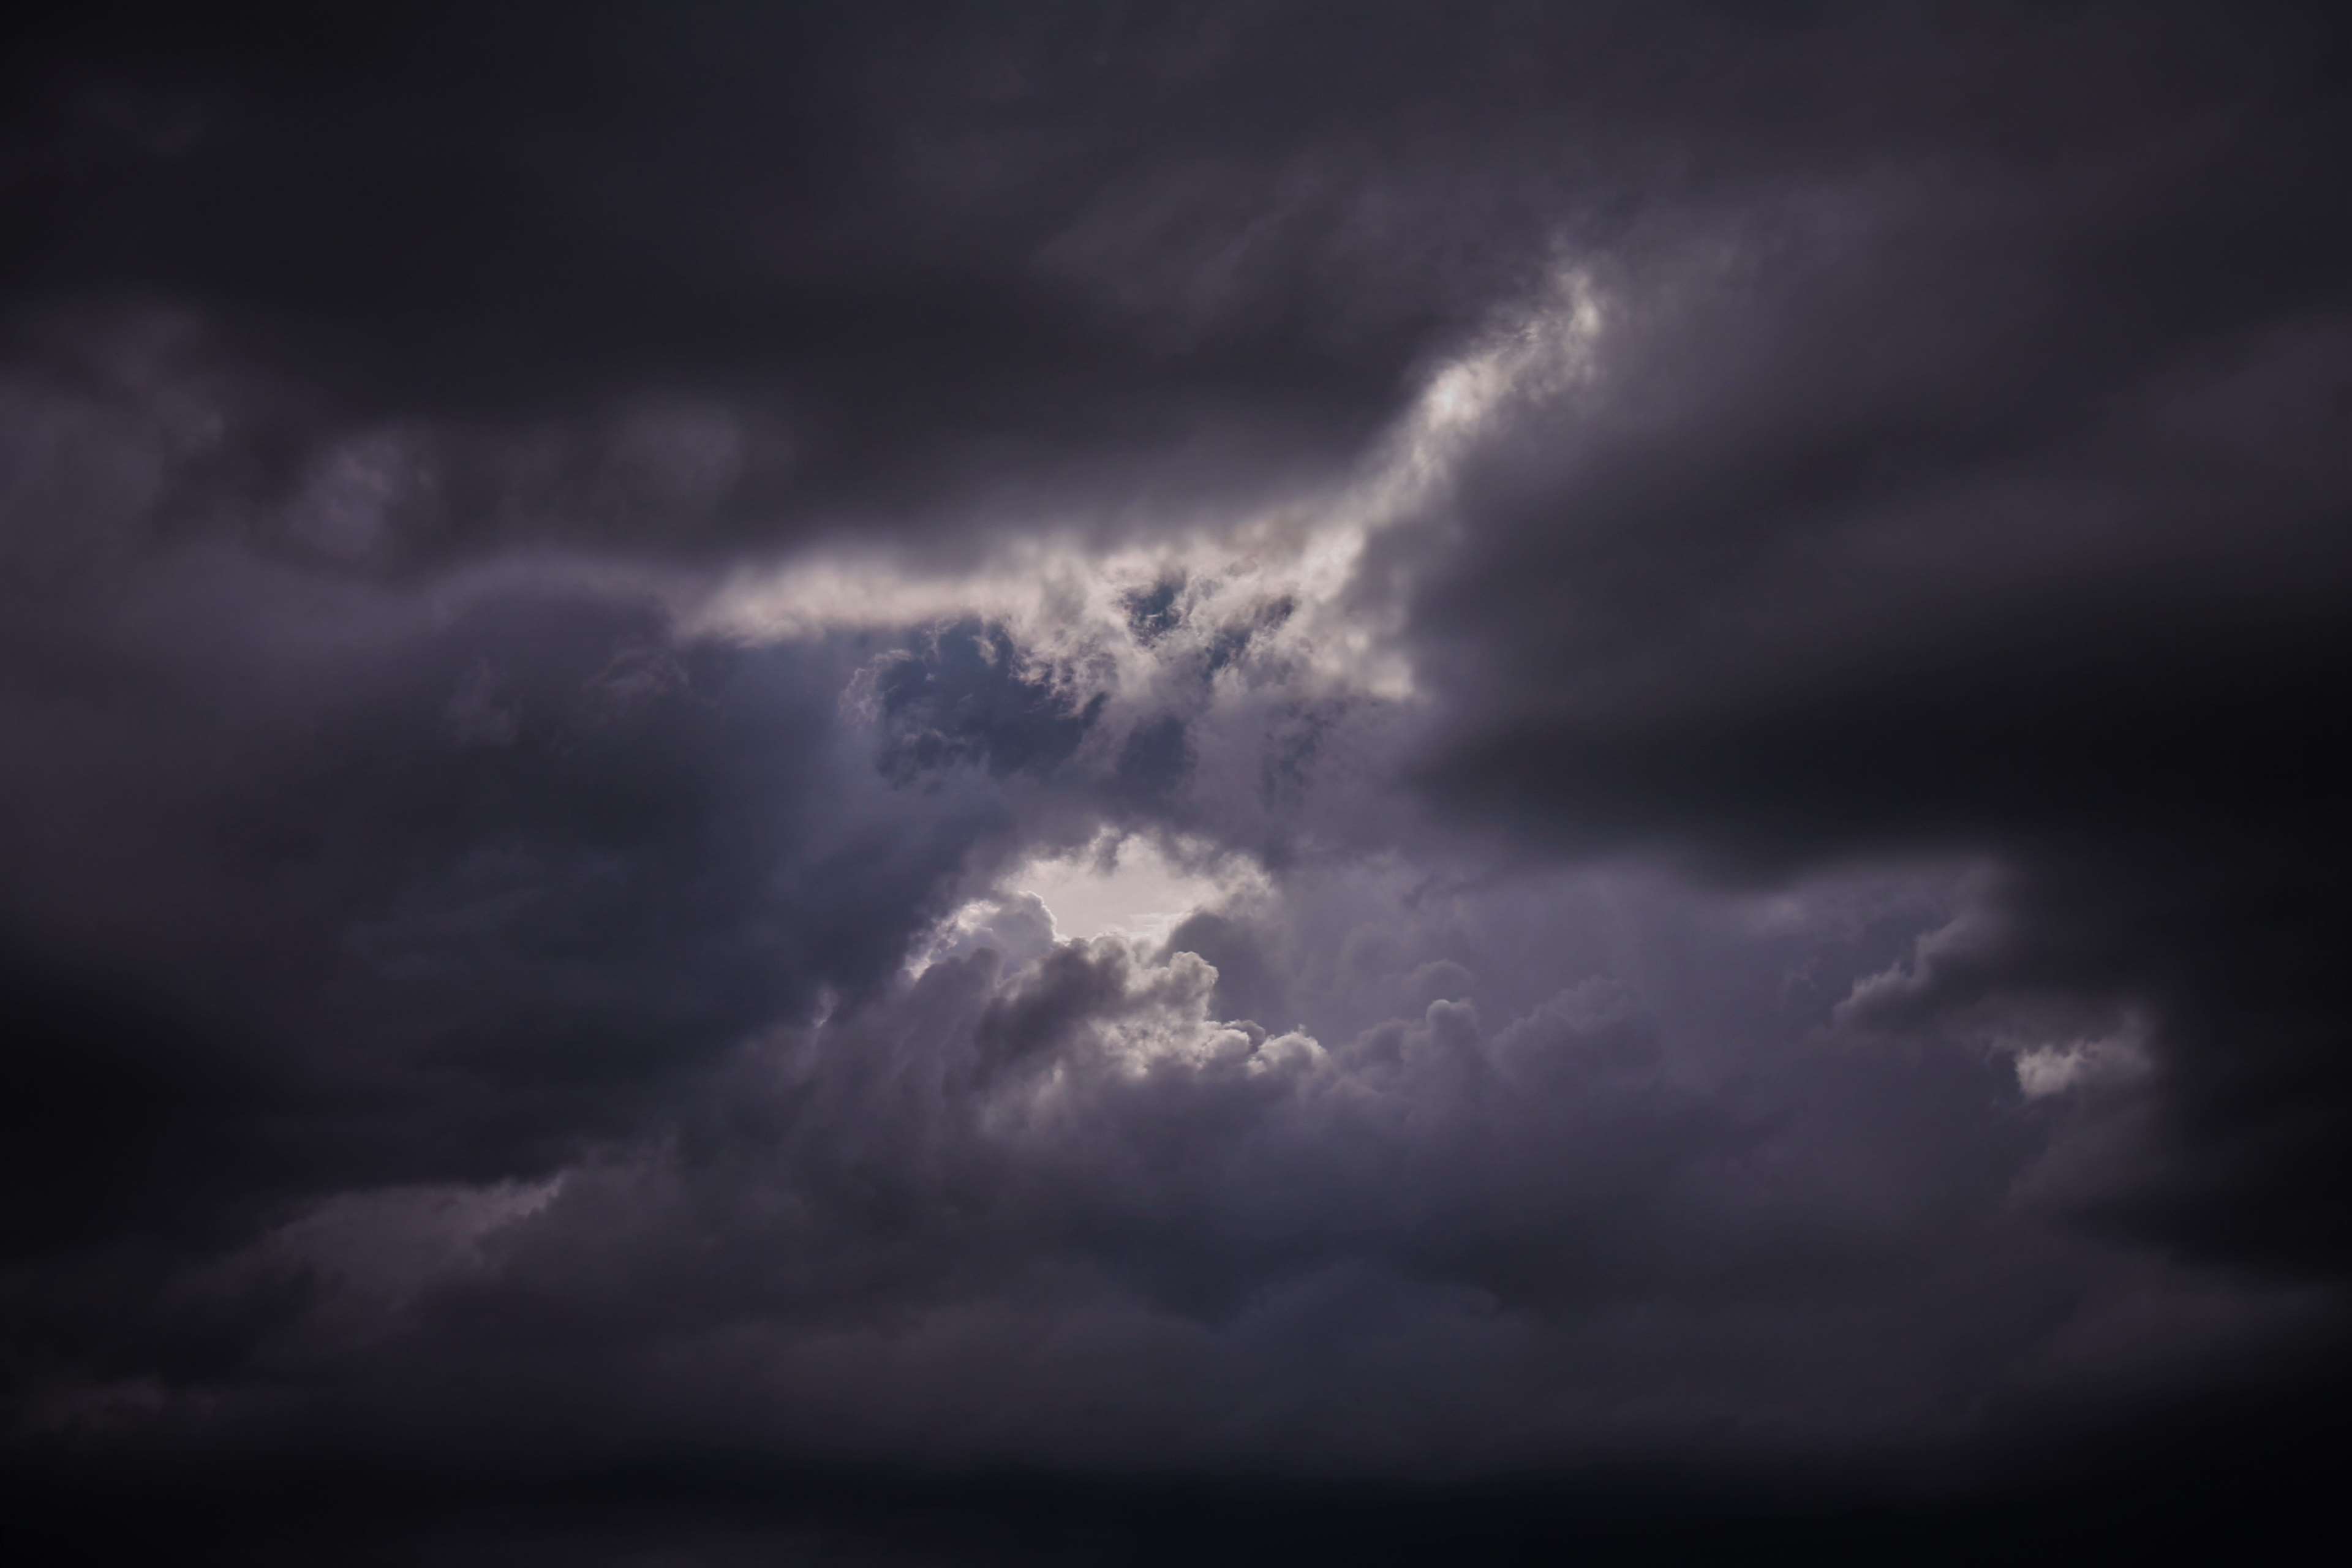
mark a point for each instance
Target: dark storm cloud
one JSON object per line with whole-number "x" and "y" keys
{"x": 369, "y": 894}
{"x": 1999, "y": 509}
{"x": 974, "y": 1222}
{"x": 814, "y": 265}
{"x": 1807, "y": 976}
{"x": 703, "y": 282}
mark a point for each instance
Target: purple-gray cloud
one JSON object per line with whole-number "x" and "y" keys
{"x": 1725, "y": 621}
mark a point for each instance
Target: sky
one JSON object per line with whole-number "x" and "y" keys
{"x": 1158, "y": 781}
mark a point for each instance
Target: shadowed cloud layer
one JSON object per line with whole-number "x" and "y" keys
{"x": 1149, "y": 781}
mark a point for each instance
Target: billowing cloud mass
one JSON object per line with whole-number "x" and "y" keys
{"x": 1164, "y": 781}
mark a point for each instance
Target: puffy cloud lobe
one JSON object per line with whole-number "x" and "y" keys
{"x": 1055, "y": 1198}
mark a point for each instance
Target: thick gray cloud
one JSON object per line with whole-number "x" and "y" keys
{"x": 2001, "y": 514}
{"x": 1690, "y": 652}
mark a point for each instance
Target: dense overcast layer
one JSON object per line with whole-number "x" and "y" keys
{"x": 1078, "y": 783}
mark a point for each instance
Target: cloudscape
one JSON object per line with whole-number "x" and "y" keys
{"x": 1158, "y": 781}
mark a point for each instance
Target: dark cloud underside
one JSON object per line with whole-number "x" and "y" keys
{"x": 1143, "y": 781}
